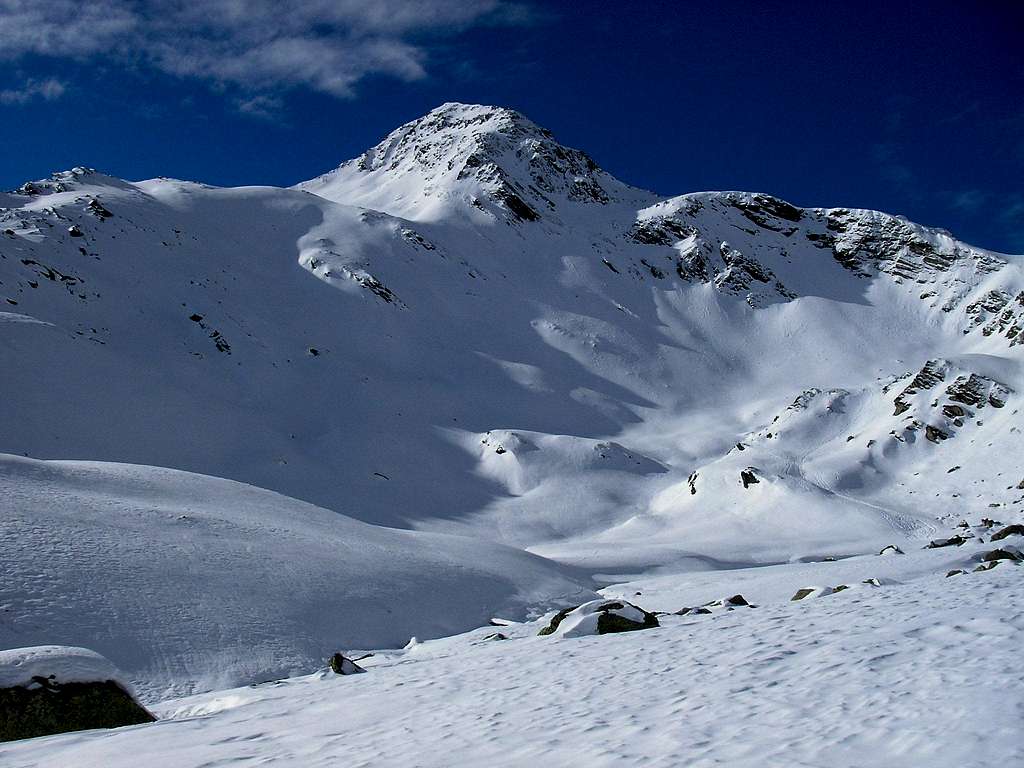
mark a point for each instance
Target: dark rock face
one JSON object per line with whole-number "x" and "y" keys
{"x": 868, "y": 244}
{"x": 748, "y": 478}
{"x": 57, "y": 708}
{"x": 892, "y": 549}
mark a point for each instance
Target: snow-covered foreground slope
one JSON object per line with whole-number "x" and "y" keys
{"x": 921, "y": 671}
{"x": 188, "y": 582}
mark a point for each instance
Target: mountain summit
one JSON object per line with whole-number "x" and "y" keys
{"x": 475, "y": 161}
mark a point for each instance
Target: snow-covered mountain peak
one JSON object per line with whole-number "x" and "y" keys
{"x": 485, "y": 161}
{"x": 71, "y": 180}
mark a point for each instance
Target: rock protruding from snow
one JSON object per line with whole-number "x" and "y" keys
{"x": 342, "y": 665}
{"x": 53, "y": 689}
{"x": 599, "y": 617}
{"x": 1011, "y": 530}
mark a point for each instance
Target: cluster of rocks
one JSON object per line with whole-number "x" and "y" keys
{"x": 726, "y": 603}
{"x": 964, "y": 395}
{"x": 811, "y": 592}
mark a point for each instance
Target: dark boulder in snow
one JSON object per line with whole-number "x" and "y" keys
{"x": 955, "y": 572}
{"x": 54, "y": 689}
{"x": 599, "y": 617}
{"x": 693, "y": 611}
{"x": 1008, "y": 553}
{"x": 748, "y": 478}
{"x": 810, "y": 592}
{"x": 952, "y": 541}
{"x": 340, "y": 665}
{"x": 892, "y": 549}
{"x": 1011, "y": 530}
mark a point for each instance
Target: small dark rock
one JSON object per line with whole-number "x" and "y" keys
{"x": 892, "y": 549}
{"x": 344, "y": 666}
{"x": 693, "y": 611}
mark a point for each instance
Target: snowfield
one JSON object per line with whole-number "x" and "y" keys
{"x": 194, "y": 583}
{"x": 923, "y": 672}
{"x": 469, "y": 375}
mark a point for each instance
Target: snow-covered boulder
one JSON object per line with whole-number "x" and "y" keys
{"x": 725, "y": 603}
{"x": 599, "y": 617}
{"x": 52, "y": 689}
{"x": 811, "y": 592}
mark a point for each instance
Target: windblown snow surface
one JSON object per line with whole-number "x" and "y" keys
{"x": 478, "y": 376}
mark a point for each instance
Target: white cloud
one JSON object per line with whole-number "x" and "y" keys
{"x": 256, "y": 45}
{"x": 47, "y": 90}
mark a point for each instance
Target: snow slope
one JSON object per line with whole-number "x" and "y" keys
{"x": 191, "y": 583}
{"x": 471, "y": 329}
{"x": 921, "y": 671}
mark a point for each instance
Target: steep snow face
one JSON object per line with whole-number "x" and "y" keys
{"x": 475, "y": 163}
{"x": 189, "y": 582}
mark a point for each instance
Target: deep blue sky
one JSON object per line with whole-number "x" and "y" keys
{"x": 910, "y": 108}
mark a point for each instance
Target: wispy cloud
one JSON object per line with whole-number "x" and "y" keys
{"x": 895, "y": 171}
{"x": 256, "y": 45}
{"x": 261, "y": 106}
{"x": 1012, "y": 218}
{"x": 967, "y": 200}
{"x": 47, "y": 90}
